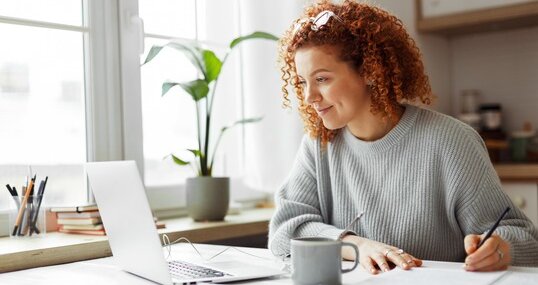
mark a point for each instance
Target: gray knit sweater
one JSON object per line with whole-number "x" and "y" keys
{"x": 423, "y": 187}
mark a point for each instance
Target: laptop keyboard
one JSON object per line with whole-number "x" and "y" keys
{"x": 181, "y": 269}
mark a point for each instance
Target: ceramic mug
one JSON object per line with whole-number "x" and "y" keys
{"x": 318, "y": 260}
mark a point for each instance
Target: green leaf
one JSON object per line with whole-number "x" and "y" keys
{"x": 179, "y": 161}
{"x": 197, "y": 153}
{"x": 198, "y": 89}
{"x": 166, "y": 87}
{"x": 152, "y": 53}
{"x": 212, "y": 65}
{"x": 255, "y": 35}
{"x": 193, "y": 54}
{"x": 249, "y": 120}
{"x": 244, "y": 121}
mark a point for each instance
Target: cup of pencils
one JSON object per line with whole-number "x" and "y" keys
{"x": 28, "y": 217}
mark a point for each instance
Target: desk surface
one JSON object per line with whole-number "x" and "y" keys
{"x": 57, "y": 248}
{"x": 103, "y": 271}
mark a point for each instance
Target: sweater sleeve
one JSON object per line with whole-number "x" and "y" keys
{"x": 298, "y": 211}
{"x": 482, "y": 203}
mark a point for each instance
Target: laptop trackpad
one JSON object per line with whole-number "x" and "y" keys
{"x": 236, "y": 268}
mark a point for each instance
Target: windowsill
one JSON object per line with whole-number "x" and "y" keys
{"x": 57, "y": 248}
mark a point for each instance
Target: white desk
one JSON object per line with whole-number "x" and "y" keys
{"x": 56, "y": 248}
{"x": 103, "y": 271}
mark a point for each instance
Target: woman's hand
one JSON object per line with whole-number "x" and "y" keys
{"x": 493, "y": 255}
{"x": 375, "y": 256}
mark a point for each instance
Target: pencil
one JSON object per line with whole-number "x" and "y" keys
{"x": 23, "y": 205}
{"x": 490, "y": 232}
{"x": 27, "y": 217}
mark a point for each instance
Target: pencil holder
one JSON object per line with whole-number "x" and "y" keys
{"x": 30, "y": 221}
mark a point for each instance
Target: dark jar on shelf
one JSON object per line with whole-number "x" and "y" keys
{"x": 491, "y": 116}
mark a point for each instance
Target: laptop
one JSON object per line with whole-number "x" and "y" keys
{"x": 136, "y": 247}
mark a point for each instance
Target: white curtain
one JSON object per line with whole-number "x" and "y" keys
{"x": 271, "y": 144}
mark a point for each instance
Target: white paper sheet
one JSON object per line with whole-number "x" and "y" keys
{"x": 519, "y": 277}
{"x": 431, "y": 275}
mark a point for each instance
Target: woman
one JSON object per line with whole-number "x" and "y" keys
{"x": 424, "y": 180}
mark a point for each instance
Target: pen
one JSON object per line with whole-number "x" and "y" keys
{"x": 347, "y": 229}
{"x": 33, "y": 221}
{"x": 15, "y": 196}
{"x": 490, "y": 232}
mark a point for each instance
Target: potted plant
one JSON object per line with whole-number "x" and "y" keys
{"x": 207, "y": 196}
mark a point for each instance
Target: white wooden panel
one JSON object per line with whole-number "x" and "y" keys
{"x": 525, "y": 197}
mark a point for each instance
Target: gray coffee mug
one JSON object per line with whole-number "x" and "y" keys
{"x": 318, "y": 261}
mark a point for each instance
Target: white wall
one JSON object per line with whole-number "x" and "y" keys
{"x": 435, "y": 51}
{"x": 504, "y": 67}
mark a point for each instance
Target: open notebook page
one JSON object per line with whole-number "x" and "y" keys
{"x": 432, "y": 275}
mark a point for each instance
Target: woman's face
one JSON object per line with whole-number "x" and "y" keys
{"x": 331, "y": 86}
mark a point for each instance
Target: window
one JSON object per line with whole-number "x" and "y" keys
{"x": 42, "y": 96}
{"x": 169, "y": 122}
{"x": 71, "y": 93}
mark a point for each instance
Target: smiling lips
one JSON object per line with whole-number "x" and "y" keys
{"x": 323, "y": 111}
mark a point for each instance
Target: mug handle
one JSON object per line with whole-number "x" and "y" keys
{"x": 354, "y": 246}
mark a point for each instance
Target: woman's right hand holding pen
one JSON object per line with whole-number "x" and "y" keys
{"x": 493, "y": 255}
{"x": 487, "y": 252}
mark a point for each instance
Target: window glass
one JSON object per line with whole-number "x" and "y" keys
{"x": 169, "y": 121}
{"x": 175, "y": 18}
{"x": 42, "y": 93}
{"x": 42, "y": 103}
{"x": 67, "y": 12}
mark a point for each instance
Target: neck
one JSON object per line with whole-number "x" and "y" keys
{"x": 370, "y": 127}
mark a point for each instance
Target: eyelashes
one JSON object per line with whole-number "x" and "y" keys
{"x": 319, "y": 80}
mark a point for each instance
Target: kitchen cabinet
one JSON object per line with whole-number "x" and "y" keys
{"x": 456, "y": 17}
{"x": 525, "y": 197}
{"x": 512, "y": 172}
{"x": 520, "y": 183}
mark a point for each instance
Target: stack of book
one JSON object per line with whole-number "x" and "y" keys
{"x": 84, "y": 220}
{"x": 79, "y": 220}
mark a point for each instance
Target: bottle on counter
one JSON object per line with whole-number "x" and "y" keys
{"x": 469, "y": 108}
{"x": 492, "y": 133}
{"x": 520, "y": 142}
{"x": 469, "y": 101}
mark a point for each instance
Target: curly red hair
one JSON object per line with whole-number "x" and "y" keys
{"x": 374, "y": 42}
